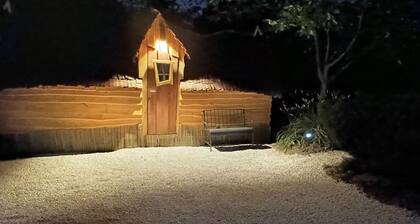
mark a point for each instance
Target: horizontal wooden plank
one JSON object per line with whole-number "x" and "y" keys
{"x": 22, "y": 125}
{"x": 58, "y": 114}
{"x": 197, "y": 119}
{"x": 247, "y": 111}
{"x": 75, "y": 107}
{"x": 72, "y": 98}
{"x": 78, "y": 140}
{"x": 224, "y": 94}
{"x": 86, "y": 91}
{"x": 200, "y": 124}
{"x": 243, "y": 100}
{"x": 225, "y": 106}
{"x": 83, "y": 87}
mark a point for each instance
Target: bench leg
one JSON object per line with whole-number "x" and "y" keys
{"x": 207, "y": 140}
{"x": 211, "y": 149}
{"x": 253, "y": 139}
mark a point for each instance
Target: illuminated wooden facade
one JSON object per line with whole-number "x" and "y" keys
{"x": 156, "y": 110}
{"x": 173, "y": 115}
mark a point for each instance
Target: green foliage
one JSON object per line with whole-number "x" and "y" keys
{"x": 308, "y": 114}
{"x": 383, "y": 128}
{"x": 382, "y": 135}
{"x": 317, "y": 20}
{"x": 307, "y": 17}
{"x": 292, "y": 137}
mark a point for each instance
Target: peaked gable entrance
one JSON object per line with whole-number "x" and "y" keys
{"x": 161, "y": 66}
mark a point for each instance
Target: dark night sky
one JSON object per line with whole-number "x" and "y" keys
{"x": 48, "y": 42}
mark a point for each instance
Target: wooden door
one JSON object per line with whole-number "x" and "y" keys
{"x": 161, "y": 105}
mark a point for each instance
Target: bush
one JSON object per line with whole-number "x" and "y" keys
{"x": 307, "y": 115}
{"x": 293, "y": 135}
{"x": 382, "y": 131}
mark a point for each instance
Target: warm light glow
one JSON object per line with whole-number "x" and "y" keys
{"x": 161, "y": 45}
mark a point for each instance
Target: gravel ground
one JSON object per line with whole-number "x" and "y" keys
{"x": 184, "y": 185}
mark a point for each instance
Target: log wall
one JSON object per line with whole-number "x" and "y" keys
{"x": 86, "y": 119}
{"x": 257, "y": 110}
{"x": 71, "y": 118}
{"x": 52, "y": 108}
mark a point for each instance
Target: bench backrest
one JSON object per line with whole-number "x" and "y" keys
{"x": 224, "y": 118}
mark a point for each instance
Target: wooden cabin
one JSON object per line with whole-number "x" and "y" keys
{"x": 156, "y": 109}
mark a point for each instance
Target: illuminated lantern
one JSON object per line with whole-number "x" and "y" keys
{"x": 161, "y": 46}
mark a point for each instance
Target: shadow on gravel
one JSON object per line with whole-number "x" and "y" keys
{"x": 233, "y": 148}
{"x": 401, "y": 190}
{"x": 17, "y": 156}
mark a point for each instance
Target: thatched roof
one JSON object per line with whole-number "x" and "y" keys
{"x": 206, "y": 85}
{"x": 123, "y": 81}
{"x": 189, "y": 85}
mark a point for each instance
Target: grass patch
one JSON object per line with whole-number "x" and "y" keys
{"x": 307, "y": 130}
{"x": 292, "y": 138}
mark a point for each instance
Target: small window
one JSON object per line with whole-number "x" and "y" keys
{"x": 163, "y": 72}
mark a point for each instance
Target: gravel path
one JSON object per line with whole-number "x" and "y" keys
{"x": 184, "y": 185}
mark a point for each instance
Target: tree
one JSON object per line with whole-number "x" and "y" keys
{"x": 385, "y": 45}
{"x": 320, "y": 20}
{"x": 160, "y": 4}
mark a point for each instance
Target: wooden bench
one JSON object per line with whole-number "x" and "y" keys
{"x": 223, "y": 122}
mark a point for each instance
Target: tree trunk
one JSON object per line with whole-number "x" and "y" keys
{"x": 322, "y": 70}
{"x": 324, "y": 88}
{"x": 322, "y": 96}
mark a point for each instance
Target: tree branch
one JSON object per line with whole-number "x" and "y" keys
{"x": 221, "y": 32}
{"x": 327, "y": 47}
{"x": 342, "y": 69}
{"x": 355, "y": 59}
{"x": 350, "y": 45}
{"x": 217, "y": 33}
{"x": 318, "y": 58}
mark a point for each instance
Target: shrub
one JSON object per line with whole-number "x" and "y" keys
{"x": 382, "y": 131}
{"x": 307, "y": 114}
{"x": 293, "y": 135}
